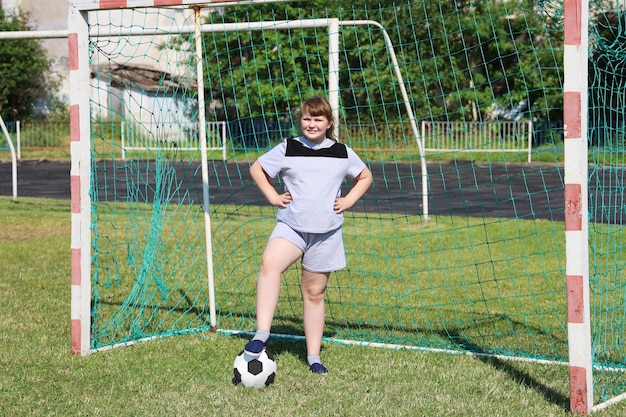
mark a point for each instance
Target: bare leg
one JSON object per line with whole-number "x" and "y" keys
{"x": 313, "y": 287}
{"x": 279, "y": 255}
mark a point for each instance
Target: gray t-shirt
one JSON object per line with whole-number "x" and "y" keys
{"x": 313, "y": 175}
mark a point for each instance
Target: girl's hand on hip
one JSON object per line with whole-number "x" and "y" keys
{"x": 281, "y": 200}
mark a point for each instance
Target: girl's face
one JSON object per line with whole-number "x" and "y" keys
{"x": 314, "y": 127}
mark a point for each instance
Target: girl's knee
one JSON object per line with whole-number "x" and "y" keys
{"x": 313, "y": 294}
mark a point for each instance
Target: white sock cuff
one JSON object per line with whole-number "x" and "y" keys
{"x": 311, "y": 359}
{"x": 262, "y": 335}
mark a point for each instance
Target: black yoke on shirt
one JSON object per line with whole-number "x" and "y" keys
{"x": 297, "y": 148}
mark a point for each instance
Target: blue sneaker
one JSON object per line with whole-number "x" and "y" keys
{"x": 254, "y": 348}
{"x": 318, "y": 368}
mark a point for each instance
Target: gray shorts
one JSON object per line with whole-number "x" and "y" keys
{"x": 322, "y": 252}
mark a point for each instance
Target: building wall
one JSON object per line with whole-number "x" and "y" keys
{"x": 141, "y": 51}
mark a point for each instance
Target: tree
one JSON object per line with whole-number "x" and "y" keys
{"x": 28, "y": 86}
{"x": 607, "y": 68}
{"x": 266, "y": 72}
{"x": 472, "y": 57}
{"x": 461, "y": 60}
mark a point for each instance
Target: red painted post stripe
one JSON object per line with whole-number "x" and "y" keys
{"x": 572, "y": 114}
{"x": 112, "y": 4}
{"x": 573, "y": 208}
{"x": 572, "y": 22}
{"x": 75, "y": 194}
{"x": 76, "y": 328}
{"x": 76, "y": 270}
{"x": 575, "y": 300}
{"x": 74, "y": 123}
{"x": 578, "y": 389}
{"x": 117, "y": 4}
{"x": 167, "y": 2}
{"x": 72, "y": 45}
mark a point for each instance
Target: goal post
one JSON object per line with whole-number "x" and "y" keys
{"x": 81, "y": 174}
{"x": 80, "y": 182}
{"x": 332, "y": 25}
{"x": 488, "y": 249}
{"x": 172, "y": 136}
{"x": 576, "y": 55}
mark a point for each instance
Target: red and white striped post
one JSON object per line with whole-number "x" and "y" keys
{"x": 80, "y": 181}
{"x": 575, "y": 103}
{"x": 80, "y": 144}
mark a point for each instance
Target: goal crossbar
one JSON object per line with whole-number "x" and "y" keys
{"x": 80, "y": 306}
{"x": 576, "y": 159}
{"x": 86, "y": 5}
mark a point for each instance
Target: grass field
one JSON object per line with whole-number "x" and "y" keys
{"x": 190, "y": 375}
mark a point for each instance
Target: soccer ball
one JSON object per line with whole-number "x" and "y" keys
{"x": 254, "y": 372}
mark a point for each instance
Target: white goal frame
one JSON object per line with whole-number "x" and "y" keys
{"x": 80, "y": 173}
{"x": 576, "y": 208}
{"x": 493, "y": 136}
{"x": 576, "y": 13}
{"x": 216, "y": 138}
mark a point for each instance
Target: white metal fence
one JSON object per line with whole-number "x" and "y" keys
{"x": 172, "y": 136}
{"x": 497, "y": 136}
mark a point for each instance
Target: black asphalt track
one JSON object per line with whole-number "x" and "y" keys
{"x": 525, "y": 191}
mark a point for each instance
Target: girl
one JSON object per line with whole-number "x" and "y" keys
{"x": 309, "y": 220}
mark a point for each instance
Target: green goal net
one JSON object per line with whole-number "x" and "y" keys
{"x": 457, "y": 109}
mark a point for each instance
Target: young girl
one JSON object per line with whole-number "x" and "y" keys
{"x": 310, "y": 215}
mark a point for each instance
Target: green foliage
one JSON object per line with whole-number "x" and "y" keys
{"x": 27, "y": 84}
{"x": 243, "y": 64}
{"x": 460, "y": 60}
{"x": 607, "y": 74}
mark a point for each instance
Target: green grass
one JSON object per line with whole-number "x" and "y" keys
{"x": 451, "y": 283}
{"x": 190, "y": 375}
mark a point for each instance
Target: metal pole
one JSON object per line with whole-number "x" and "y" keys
{"x": 13, "y": 158}
{"x": 205, "y": 168}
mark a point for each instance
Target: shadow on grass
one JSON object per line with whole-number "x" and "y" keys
{"x": 287, "y": 337}
{"x": 508, "y": 367}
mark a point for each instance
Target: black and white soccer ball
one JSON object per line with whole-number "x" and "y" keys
{"x": 254, "y": 372}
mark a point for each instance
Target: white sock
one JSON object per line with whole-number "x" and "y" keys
{"x": 262, "y": 335}
{"x": 311, "y": 359}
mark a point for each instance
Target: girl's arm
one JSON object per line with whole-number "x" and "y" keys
{"x": 363, "y": 182}
{"x": 267, "y": 189}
